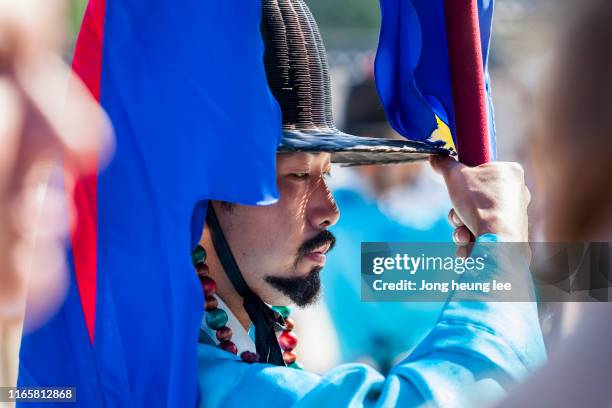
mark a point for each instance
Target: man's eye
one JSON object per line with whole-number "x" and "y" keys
{"x": 300, "y": 175}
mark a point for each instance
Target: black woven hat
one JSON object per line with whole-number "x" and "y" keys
{"x": 296, "y": 68}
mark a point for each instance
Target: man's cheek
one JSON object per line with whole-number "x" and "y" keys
{"x": 292, "y": 190}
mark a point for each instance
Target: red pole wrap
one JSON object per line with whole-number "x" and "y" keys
{"x": 467, "y": 77}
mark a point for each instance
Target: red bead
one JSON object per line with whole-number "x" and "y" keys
{"x": 289, "y": 324}
{"x": 202, "y": 269}
{"x": 228, "y": 346}
{"x": 287, "y": 340}
{"x": 289, "y": 357}
{"x": 209, "y": 286}
{"x": 224, "y": 334}
{"x": 249, "y": 357}
{"x": 211, "y": 303}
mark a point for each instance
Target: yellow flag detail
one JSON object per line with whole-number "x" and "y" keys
{"x": 443, "y": 133}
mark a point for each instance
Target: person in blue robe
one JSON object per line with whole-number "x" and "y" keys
{"x": 251, "y": 257}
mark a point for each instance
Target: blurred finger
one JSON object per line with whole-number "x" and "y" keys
{"x": 454, "y": 220}
{"x": 462, "y": 236}
{"x": 39, "y": 210}
{"x": 46, "y": 280}
{"x": 10, "y": 124}
{"x": 11, "y": 283}
{"x": 77, "y": 126}
{"x": 32, "y": 25}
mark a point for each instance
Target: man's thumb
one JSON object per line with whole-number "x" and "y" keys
{"x": 444, "y": 165}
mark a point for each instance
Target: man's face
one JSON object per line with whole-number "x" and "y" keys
{"x": 281, "y": 248}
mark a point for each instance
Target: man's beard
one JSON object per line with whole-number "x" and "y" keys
{"x": 304, "y": 291}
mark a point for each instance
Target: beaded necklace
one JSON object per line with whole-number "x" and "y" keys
{"x": 217, "y": 318}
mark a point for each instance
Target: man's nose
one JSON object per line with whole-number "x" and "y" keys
{"x": 323, "y": 209}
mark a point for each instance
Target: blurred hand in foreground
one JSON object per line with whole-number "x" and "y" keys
{"x": 48, "y": 122}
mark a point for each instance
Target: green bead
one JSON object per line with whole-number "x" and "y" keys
{"x": 296, "y": 365}
{"x": 216, "y": 318}
{"x": 284, "y": 311}
{"x": 198, "y": 255}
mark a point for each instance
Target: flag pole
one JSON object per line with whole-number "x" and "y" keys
{"x": 468, "y": 83}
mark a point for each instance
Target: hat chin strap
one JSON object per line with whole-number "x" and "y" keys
{"x": 261, "y": 315}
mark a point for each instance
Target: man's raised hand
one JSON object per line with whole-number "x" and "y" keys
{"x": 490, "y": 198}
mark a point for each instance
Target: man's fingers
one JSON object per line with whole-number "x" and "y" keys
{"x": 454, "y": 220}
{"x": 462, "y": 236}
{"x": 445, "y": 165}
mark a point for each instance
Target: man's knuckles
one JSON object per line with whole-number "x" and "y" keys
{"x": 509, "y": 172}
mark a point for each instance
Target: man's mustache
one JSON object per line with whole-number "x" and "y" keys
{"x": 322, "y": 238}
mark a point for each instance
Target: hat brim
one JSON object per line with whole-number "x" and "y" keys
{"x": 350, "y": 150}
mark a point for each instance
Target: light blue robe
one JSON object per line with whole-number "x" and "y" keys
{"x": 474, "y": 353}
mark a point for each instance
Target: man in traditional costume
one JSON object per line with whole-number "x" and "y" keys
{"x": 250, "y": 257}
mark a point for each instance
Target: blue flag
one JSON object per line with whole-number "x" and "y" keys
{"x": 413, "y": 68}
